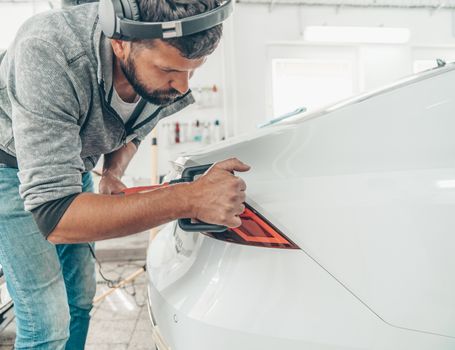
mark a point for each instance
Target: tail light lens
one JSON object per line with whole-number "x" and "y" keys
{"x": 256, "y": 231}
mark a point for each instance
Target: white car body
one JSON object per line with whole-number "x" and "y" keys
{"x": 366, "y": 189}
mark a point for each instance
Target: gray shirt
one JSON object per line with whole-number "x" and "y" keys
{"x": 54, "y": 115}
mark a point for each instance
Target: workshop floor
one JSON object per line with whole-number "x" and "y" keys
{"x": 120, "y": 322}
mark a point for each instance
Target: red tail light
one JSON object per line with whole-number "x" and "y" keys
{"x": 255, "y": 230}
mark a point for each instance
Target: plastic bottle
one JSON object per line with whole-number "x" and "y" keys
{"x": 198, "y": 132}
{"x": 206, "y": 137}
{"x": 190, "y": 132}
{"x": 177, "y": 132}
{"x": 167, "y": 135}
{"x": 183, "y": 132}
{"x": 216, "y": 131}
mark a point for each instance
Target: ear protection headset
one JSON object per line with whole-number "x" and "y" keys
{"x": 121, "y": 19}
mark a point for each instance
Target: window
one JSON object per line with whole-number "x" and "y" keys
{"x": 311, "y": 76}
{"x": 310, "y": 83}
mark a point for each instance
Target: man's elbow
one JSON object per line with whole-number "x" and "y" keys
{"x": 57, "y": 237}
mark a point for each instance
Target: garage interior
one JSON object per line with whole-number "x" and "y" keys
{"x": 276, "y": 57}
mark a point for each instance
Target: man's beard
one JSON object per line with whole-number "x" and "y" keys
{"x": 157, "y": 97}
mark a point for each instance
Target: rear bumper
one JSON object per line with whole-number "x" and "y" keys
{"x": 157, "y": 337}
{"x": 207, "y": 294}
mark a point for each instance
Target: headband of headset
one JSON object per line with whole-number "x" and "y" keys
{"x": 120, "y": 19}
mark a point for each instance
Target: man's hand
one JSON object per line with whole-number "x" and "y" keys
{"x": 219, "y": 194}
{"x": 114, "y": 166}
{"x": 110, "y": 184}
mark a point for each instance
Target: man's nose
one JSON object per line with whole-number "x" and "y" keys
{"x": 181, "y": 82}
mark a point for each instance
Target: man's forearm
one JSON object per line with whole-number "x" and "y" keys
{"x": 216, "y": 197}
{"x": 93, "y": 217}
{"x": 116, "y": 162}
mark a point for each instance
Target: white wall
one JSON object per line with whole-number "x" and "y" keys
{"x": 257, "y": 28}
{"x": 12, "y": 15}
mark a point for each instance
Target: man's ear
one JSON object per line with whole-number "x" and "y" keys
{"x": 121, "y": 48}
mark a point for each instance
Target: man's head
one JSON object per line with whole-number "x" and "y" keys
{"x": 159, "y": 69}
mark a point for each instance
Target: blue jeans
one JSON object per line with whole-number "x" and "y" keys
{"x": 52, "y": 285}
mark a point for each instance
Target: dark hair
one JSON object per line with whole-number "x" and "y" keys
{"x": 192, "y": 46}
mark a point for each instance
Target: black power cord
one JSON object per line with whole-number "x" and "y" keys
{"x": 110, "y": 283}
{"x": 113, "y": 283}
